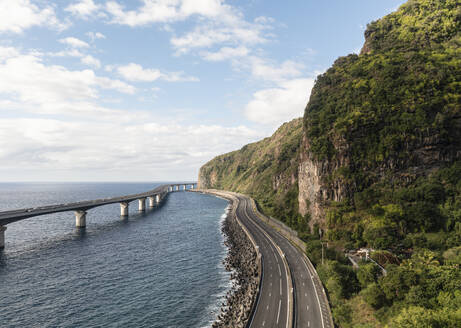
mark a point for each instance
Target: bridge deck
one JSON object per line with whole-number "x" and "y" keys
{"x": 7, "y": 217}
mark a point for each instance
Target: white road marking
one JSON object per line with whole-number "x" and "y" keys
{"x": 307, "y": 307}
{"x": 280, "y": 287}
{"x": 275, "y": 249}
{"x": 270, "y": 294}
{"x": 308, "y": 323}
{"x": 264, "y": 322}
{"x": 267, "y": 307}
{"x": 278, "y": 314}
{"x": 316, "y": 294}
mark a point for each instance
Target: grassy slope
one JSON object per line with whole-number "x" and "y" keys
{"x": 265, "y": 170}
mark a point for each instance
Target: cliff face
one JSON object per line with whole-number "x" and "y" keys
{"x": 378, "y": 127}
{"x": 391, "y": 114}
{"x": 315, "y": 191}
{"x": 267, "y": 170}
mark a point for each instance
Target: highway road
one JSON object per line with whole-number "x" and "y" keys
{"x": 273, "y": 307}
{"x": 309, "y": 308}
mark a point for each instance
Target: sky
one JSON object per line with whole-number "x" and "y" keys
{"x": 150, "y": 90}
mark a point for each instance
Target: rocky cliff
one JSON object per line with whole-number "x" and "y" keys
{"x": 377, "y": 126}
{"x": 389, "y": 115}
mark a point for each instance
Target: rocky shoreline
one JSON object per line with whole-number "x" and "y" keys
{"x": 241, "y": 261}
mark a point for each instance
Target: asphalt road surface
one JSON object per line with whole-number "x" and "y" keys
{"x": 273, "y": 308}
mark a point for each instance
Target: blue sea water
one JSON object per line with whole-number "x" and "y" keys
{"x": 162, "y": 268}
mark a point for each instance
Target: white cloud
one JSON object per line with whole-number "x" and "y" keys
{"x": 264, "y": 20}
{"x": 109, "y": 68}
{"x": 7, "y": 52}
{"x": 107, "y": 83}
{"x": 111, "y": 150}
{"x": 239, "y": 33}
{"x": 95, "y": 35}
{"x": 74, "y": 42}
{"x": 66, "y": 53}
{"x": 261, "y": 69}
{"x": 162, "y": 11}
{"x": 207, "y": 8}
{"x": 218, "y": 23}
{"x": 152, "y": 11}
{"x": 91, "y": 61}
{"x": 280, "y": 104}
{"x": 136, "y": 73}
{"x": 40, "y": 88}
{"x": 18, "y": 15}
{"x": 83, "y": 8}
{"x": 225, "y": 53}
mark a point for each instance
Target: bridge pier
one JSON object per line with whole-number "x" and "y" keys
{"x": 80, "y": 219}
{"x": 2, "y": 237}
{"x": 157, "y": 199}
{"x": 124, "y": 209}
{"x": 151, "y": 201}
{"x": 142, "y": 204}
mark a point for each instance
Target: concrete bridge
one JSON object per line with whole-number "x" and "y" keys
{"x": 154, "y": 197}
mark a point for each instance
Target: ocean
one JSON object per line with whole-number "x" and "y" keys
{"x": 161, "y": 268}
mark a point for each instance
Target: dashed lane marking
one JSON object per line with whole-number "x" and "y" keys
{"x": 278, "y": 314}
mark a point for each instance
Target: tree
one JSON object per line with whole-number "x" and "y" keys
{"x": 397, "y": 282}
{"x": 414, "y": 316}
{"x": 367, "y": 274}
{"x": 374, "y": 296}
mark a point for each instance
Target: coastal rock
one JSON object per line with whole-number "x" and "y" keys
{"x": 241, "y": 261}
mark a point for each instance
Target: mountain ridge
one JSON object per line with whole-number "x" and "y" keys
{"x": 375, "y": 162}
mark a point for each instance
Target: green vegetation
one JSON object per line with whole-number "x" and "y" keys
{"x": 393, "y": 113}
{"x": 389, "y": 122}
{"x": 382, "y": 104}
{"x": 267, "y": 171}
